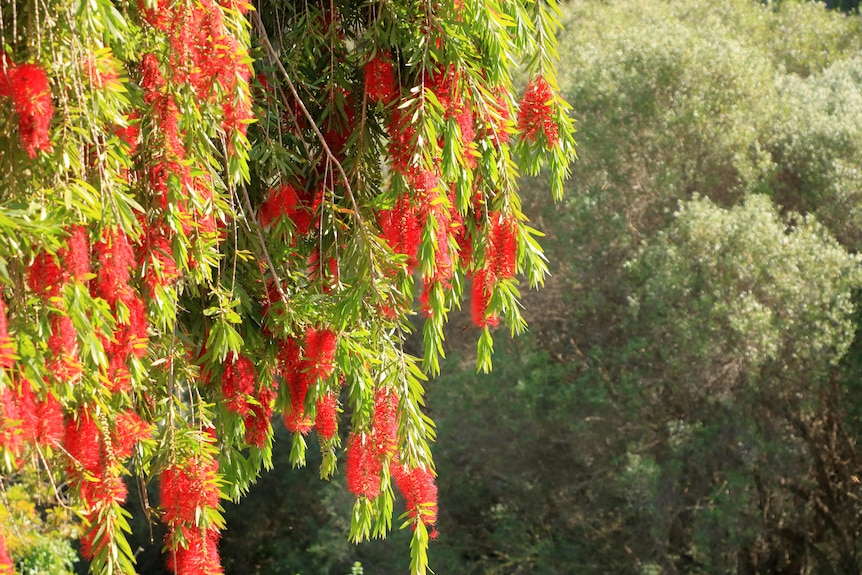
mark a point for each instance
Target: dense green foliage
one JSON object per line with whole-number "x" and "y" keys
{"x": 689, "y": 401}
{"x": 217, "y": 215}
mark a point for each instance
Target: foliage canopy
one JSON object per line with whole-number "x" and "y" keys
{"x": 216, "y": 211}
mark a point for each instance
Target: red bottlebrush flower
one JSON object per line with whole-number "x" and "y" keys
{"x": 296, "y": 420}
{"x": 363, "y": 466}
{"x": 293, "y": 370}
{"x": 158, "y": 260}
{"x": 402, "y": 228}
{"x": 320, "y": 353}
{"x": 464, "y": 117}
{"x": 501, "y": 119}
{"x": 237, "y": 116}
{"x": 443, "y": 83}
{"x": 152, "y": 80}
{"x": 28, "y": 411}
{"x": 384, "y": 424}
{"x": 31, "y": 94}
{"x": 380, "y": 83}
{"x": 480, "y": 293}
{"x": 238, "y": 383}
{"x": 288, "y": 201}
{"x": 257, "y": 422}
{"x": 7, "y": 352}
{"x": 129, "y": 429}
{"x": 44, "y": 276}
{"x": 168, "y": 117}
{"x": 441, "y": 210}
{"x": 130, "y": 338}
{"x": 327, "y": 416}
{"x": 76, "y": 256}
{"x": 426, "y": 182}
{"x": 130, "y": 134}
{"x": 187, "y": 489}
{"x": 504, "y": 239}
{"x": 63, "y": 342}
{"x": 43, "y": 420}
{"x": 200, "y": 555}
{"x": 83, "y": 443}
{"x": 159, "y": 17}
{"x": 119, "y": 377}
{"x": 105, "y": 491}
{"x": 419, "y": 491}
{"x": 7, "y": 566}
{"x": 115, "y": 258}
{"x": 11, "y": 428}
{"x": 536, "y": 111}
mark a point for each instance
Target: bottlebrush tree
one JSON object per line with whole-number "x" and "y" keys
{"x": 213, "y": 213}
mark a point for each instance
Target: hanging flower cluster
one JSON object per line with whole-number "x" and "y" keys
{"x": 28, "y": 87}
{"x": 536, "y": 112}
{"x": 198, "y": 257}
{"x": 189, "y": 496}
{"x": 301, "y": 367}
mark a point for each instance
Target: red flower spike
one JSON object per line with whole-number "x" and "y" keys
{"x": 294, "y": 372}
{"x": 115, "y": 258}
{"x": 296, "y": 204}
{"x": 82, "y": 442}
{"x": 7, "y": 357}
{"x": 238, "y": 383}
{"x": 443, "y": 83}
{"x": 327, "y": 416}
{"x": 11, "y": 436}
{"x": 44, "y": 276}
{"x": 130, "y": 134}
{"x": 200, "y": 555}
{"x": 257, "y": 425}
{"x": 320, "y": 353}
{"x": 480, "y": 293}
{"x": 129, "y": 429}
{"x": 186, "y": 490}
{"x": 48, "y": 424}
{"x": 380, "y": 84}
{"x": 363, "y": 467}
{"x": 152, "y": 80}
{"x": 498, "y": 130}
{"x": 535, "y": 113}
{"x": 76, "y": 256}
{"x": 419, "y": 491}
{"x": 384, "y": 426}
{"x": 402, "y": 228}
{"x": 158, "y": 260}
{"x": 63, "y": 342}
{"x": 504, "y": 237}
{"x": 31, "y": 94}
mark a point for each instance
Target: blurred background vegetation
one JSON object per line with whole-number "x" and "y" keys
{"x": 689, "y": 400}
